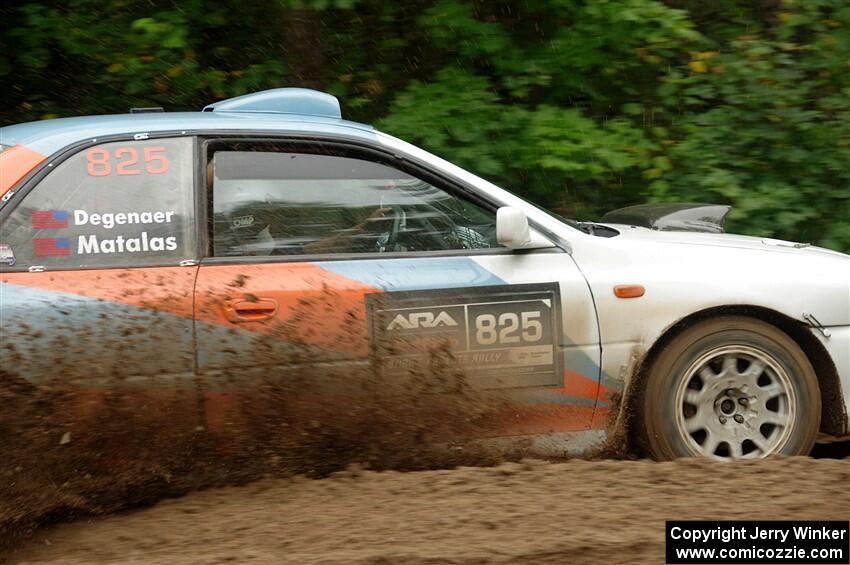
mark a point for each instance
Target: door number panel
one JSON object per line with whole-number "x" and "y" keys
{"x": 498, "y": 336}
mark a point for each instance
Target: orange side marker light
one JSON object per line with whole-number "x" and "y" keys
{"x": 629, "y": 290}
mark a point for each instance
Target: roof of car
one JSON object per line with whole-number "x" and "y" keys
{"x": 49, "y": 136}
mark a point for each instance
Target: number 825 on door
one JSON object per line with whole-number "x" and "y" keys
{"x": 509, "y": 324}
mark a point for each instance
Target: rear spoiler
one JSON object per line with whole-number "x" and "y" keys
{"x": 707, "y": 218}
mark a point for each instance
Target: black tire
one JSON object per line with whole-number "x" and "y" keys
{"x": 664, "y": 426}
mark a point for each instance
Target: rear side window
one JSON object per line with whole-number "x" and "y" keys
{"x": 127, "y": 203}
{"x": 285, "y": 203}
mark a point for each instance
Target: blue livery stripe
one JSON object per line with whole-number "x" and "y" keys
{"x": 414, "y": 274}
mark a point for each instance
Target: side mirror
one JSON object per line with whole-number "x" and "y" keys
{"x": 512, "y": 230}
{"x": 512, "y": 227}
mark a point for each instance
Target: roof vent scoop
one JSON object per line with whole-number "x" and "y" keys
{"x": 302, "y": 101}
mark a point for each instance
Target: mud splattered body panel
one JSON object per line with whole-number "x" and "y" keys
{"x": 321, "y": 319}
{"x": 93, "y": 327}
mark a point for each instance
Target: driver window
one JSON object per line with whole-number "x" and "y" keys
{"x": 283, "y": 203}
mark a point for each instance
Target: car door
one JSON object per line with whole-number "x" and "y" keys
{"x": 99, "y": 268}
{"x": 326, "y": 256}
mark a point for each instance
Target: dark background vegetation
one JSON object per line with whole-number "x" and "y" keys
{"x": 580, "y": 105}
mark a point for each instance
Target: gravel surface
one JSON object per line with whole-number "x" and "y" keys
{"x": 581, "y": 512}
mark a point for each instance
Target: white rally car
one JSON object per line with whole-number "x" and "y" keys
{"x": 158, "y": 243}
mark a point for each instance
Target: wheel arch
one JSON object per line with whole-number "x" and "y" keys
{"x": 833, "y": 416}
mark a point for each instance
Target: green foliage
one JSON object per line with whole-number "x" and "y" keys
{"x": 763, "y": 122}
{"x": 86, "y": 56}
{"x": 580, "y": 105}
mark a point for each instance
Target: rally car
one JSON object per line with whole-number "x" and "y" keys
{"x": 270, "y": 216}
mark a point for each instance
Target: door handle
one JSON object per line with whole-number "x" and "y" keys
{"x": 242, "y": 310}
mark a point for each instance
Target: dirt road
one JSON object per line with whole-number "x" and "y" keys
{"x": 530, "y": 512}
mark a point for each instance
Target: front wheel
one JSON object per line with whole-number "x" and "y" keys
{"x": 730, "y": 388}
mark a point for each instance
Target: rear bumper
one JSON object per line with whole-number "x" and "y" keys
{"x": 838, "y": 347}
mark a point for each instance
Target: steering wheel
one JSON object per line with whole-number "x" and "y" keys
{"x": 396, "y": 220}
{"x": 405, "y": 232}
